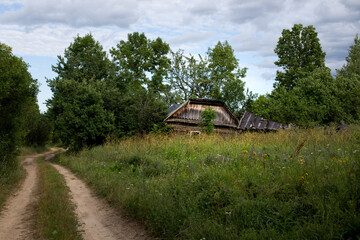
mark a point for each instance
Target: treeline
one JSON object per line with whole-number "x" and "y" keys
{"x": 126, "y": 91}
{"x": 21, "y": 122}
{"x": 305, "y": 92}
{"x": 96, "y": 96}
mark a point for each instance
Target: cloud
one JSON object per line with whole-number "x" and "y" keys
{"x": 74, "y": 13}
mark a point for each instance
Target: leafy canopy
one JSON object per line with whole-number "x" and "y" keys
{"x": 299, "y": 52}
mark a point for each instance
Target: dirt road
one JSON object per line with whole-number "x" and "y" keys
{"x": 16, "y": 216}
{"x": 99, "y": 220}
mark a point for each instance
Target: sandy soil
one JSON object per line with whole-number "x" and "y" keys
{"x": 16, "y": 216}
{"x": 98, "y": 220}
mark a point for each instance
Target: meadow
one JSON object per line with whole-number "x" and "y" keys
{"x": 290, "y": 184}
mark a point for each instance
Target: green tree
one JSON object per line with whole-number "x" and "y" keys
{"x": 83, "y": 59}
{"x": 77, "y": 106}
{"x": 352, "y": 65}
{"x": 38, "y": 127}
{"x": 216, "y": 76}
{"x": 207, "y": 116}
{"x": 348, "y": 84}
{"x": 141, "y": 61}
{"x": 299, "y": 52}
{"x": 18, "y": 92}
{"x": 79, "y": 115}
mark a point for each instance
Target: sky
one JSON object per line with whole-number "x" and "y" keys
{"x": 40, "y": 30}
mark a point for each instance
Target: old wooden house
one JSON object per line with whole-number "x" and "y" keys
{"x": 186, "y": 117}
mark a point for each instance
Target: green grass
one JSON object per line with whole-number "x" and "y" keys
{"x": 10, "y": 175}
{"x": 33, "y": 150}
{"x": 55, "y": 213}
{"x": 11, "y": 172}
{"x": 298, "y": 184}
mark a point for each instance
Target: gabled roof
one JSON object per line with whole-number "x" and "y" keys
{"x": 201, "y": 101}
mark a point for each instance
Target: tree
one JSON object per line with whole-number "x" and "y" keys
{"x": 207, "y": 116}
{"x": 216, "y": 76}
{"x": 80, "y": 118}
{"x": 83, "y": 59}
{"x": 299, "y": 52}
{"x": 77, "y": 106}
{"x": 352, "y": 65}
{"x": 141, "y": 61}
{"x": 348, "y": 84}
{"x": 18, "y": 92}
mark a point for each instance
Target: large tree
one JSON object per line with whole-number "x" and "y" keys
{"x": 141, "y": 61}
{"x": 299, "y": 52}
{"x": 352, "y": 65}
{"x": 17, "y": 97}
{"x": 77, "y": 106}
{"x": 83, "y": 59}
{"x": 216, "y": 76}
{"x": 348, "y": 84}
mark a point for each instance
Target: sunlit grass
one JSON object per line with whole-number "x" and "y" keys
{"x": 298, "y": 184}
{"x": 55, "y": 213}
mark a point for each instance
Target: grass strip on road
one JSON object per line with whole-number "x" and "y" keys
{"x": 56, "y": 213}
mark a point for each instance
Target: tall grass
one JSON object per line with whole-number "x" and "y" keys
{"x": 55, "y": 213}
{"x": 298, "y": 184}
{"x": 10, "y": 174}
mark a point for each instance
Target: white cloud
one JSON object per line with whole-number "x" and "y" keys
{"x": 75, "y": 13}
{"x": 47, "y": 27}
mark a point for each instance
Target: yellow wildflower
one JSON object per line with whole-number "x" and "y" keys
{"x": 244, "y": 151}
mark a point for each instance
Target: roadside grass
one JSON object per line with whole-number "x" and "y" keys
{"x": 10, "y": 175}
{"x": 11, "y": 172}
{"x": 24, "y": 151}
{"x": 296, "y": 184}
{"x": 55, "y": 214}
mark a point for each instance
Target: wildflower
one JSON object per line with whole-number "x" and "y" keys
{"x": 244, "y": 151}
{"x": 302, "y": 161}
{"x": 244, "y": 167}
{"x": 306, "y": 174}
{"x": 265, "y": 155}
{"x": 254, "y": 153}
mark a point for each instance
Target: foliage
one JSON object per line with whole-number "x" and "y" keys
{"x": 352, "y": 65}
{"x": 216, "y": 76}
{"x": 299, "y": 184}
{"x": 299, "y": 53}
{"x": 207, "y": 116}
{"x": 39, "y": 129}
{"x": 17, "y": 96}
{"x": 83, "y": 59}
{"x": 141, "y": 61}
{"x": 79, "y": 115}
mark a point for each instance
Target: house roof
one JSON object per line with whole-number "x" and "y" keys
{"x": 252, "y": 121}
{"x": 202, "y": 101}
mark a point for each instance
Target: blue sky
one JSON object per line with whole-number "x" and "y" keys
{"x": 39, "y": 30}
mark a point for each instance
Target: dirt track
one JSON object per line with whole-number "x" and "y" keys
{"x": 15, "y": 218}
{"x": 98, "y": 220}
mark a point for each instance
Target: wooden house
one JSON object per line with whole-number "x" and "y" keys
{"x": 186, "y": 117}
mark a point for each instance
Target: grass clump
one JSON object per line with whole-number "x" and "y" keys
{"x": 56, "y": 217}
{"x": 298, "y": 184}
{"x": 10, "y": 174}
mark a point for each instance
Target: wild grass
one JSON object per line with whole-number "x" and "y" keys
{"x": 10, "y": 175}
{"x": 55, "y": 213}
{"x": 11, "y": 172}
{"x": 33, "y": 150}
{"x": 298, "y": 184}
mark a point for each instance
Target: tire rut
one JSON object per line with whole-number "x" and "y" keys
{"x": 97, "y": 218}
